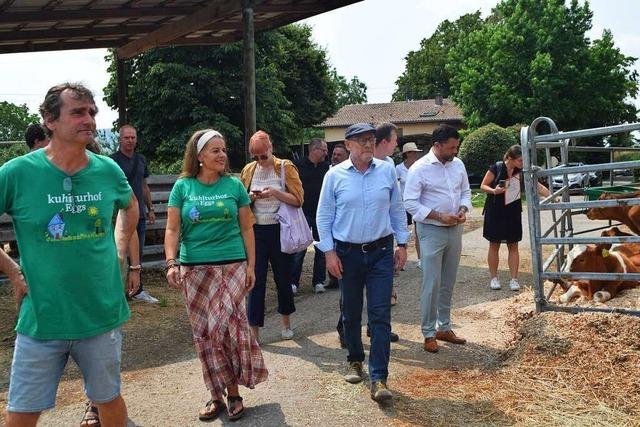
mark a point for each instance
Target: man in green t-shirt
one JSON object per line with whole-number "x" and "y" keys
{"x": 68, "y": 288}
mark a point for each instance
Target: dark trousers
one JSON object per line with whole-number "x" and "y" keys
{"x": 371, "y": 271}
{"x": 268, "y": 251}
{"x": 141, "y": 229}
{"x": 319, "y": 262}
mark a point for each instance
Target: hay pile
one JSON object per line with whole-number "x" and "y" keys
{"x": 560, "y": 369}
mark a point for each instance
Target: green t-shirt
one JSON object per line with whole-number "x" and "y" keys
{"x": 67, "y": 250}
{"x": 209, "y": 225}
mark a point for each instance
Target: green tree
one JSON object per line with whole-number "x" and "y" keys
{"x": 14, "y": 120}
{"x": 174, "y": 91}
{"x": 532, "y": 58}
{"x": 425, "y": 75}
{"x": 349, "y": 92}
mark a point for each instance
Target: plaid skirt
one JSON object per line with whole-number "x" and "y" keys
{"x": 215, "y": 299}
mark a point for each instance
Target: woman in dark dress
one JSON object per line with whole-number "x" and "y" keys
{"x": 503, "y": 222}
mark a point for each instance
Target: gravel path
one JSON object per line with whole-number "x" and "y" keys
{"x": 305, "y": 386}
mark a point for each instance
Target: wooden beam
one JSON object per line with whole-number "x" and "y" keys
{"x": 206, "y": 40}
{"x": 93, "y": 14}
{"x": 91, "y": 32}
{"x": 310, "y": 9}
{"x": 217, "y": 11}
{"x": 122, "y": 91}
{"x": 249, "y": 73}
{"x": 60, "y": 45}
{"x": 4, "y": 6}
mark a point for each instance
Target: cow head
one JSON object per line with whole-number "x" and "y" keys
{"x": 589, "y": 258}
{"x": 601, "y": 213}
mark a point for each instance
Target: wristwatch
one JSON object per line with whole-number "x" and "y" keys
{"x": 402, "y": 245}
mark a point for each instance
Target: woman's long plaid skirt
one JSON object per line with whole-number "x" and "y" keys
{"x": 215, "y": 299}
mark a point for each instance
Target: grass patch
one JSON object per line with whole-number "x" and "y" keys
{"x": 477, "y": 198}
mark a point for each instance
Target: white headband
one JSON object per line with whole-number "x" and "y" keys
{"x": 202, "y": 141}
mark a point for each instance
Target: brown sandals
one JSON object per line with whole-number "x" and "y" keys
{"x": 212, "y": 410}
{"x": 90, "y": 417}
{"x": 231, "y": 400}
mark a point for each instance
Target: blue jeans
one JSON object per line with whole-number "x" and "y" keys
{"x": 372, "y": 271}
{"x": 38, "y": 365}
{"x": 319, "y": 262}
{"x": 268, "y": 250}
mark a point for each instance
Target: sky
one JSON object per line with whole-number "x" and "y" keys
{"x": 369, "y": 40}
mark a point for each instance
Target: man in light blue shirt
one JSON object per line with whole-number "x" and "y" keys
{"x": 359, "y": 212}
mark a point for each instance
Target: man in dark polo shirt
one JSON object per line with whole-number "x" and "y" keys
{"x": 312, "y": 170}
{"x": 134, "y": 166}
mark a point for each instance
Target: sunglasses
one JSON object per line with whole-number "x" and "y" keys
{"x": 260, "y": 157}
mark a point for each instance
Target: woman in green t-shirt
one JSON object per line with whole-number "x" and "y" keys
{"x": 208, "y": 214}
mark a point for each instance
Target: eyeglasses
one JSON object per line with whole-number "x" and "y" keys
{"x": 260, "y": 157}
{"x": 363, "y": 141}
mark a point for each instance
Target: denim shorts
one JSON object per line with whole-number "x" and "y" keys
{"x": 38, "y": 366}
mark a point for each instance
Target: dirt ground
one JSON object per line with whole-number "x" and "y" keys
{"x": 493, "y": 380}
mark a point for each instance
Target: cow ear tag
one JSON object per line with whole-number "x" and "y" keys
{"x": 605, "y": 253}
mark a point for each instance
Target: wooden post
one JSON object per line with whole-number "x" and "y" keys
{"x": 122, "y": 92}
{"x": 249, "y": 72}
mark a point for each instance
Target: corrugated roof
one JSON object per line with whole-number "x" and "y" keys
{"x": 421, "y": 111}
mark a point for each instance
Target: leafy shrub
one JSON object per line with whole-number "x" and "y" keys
{"x": 483, "y": 147}
{"x": 9, "y": 152}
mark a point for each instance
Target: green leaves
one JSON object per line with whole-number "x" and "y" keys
{"x": 528, "y": 58}
{"x": 14, "y": 120}
{"x": 174, "y": 91}
{"x": 532, "y": 58}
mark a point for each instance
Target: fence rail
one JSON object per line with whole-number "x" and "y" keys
{"x": 561, "y": 231}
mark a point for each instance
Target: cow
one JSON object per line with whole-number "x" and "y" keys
{"x": 602, "y": 258}
{"x": 628, "y": 215}
{"x": 614, "y": 232}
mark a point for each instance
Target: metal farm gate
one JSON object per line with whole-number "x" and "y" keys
{"x": 560, "y": 234}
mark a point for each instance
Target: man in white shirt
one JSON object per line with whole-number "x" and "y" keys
{"x": 438, "y": 196}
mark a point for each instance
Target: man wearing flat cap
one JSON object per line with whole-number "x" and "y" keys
{"x": 359, "y": 212}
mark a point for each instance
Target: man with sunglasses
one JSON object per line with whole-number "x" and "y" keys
{"x": 312, "y": 170}
{"x": 68, "y": 287}
{"x": 359, "y": 213}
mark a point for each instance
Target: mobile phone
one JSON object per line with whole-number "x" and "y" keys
{"x": 502, "y": 183}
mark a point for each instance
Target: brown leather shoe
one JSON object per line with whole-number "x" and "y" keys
{"x": 449, "y": 336}
{"x": 430, "y": 345}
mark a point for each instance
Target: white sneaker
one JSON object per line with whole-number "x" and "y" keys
{"x": 286, "y": 334}
{"x": 514, "y": 285}
{"x": 495, "y": 284}
{"x": 419, "y": 264}
{"x": 144, "y": 296}
{"x": 320, "y": 288}
{"x": 294, "y": 289}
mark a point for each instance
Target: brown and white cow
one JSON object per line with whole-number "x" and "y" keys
{"x": 602, "y": 258}
{"x": 628, "y": 215}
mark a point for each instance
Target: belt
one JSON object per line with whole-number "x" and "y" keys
{"x": 369, "y": 246}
